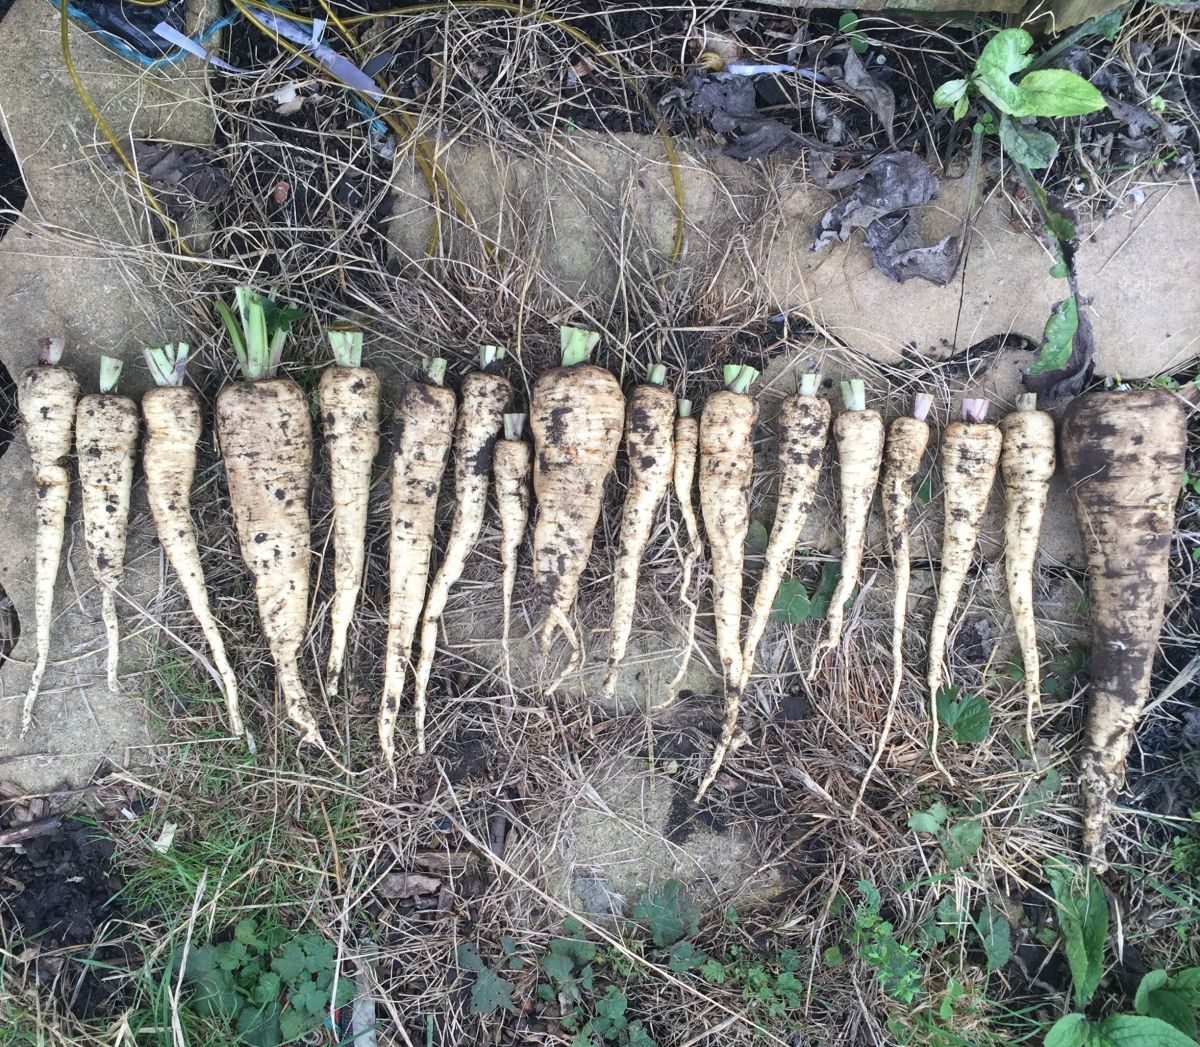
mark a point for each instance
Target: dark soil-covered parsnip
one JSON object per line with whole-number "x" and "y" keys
{"x": 726, "y": 475}
{"x": 424, "y": 427}
{"x": 907, "y": 438}
{"x": 576, "y": 416}
{"x": 480, "y": 421}
{"x": 173, "y": 427}
{"x": 106, "y": 433}
{"x": 650, "y": 444}
{"x": 859, "y": 435}
{"x": 803, "y": 434}
{"x": 687, "y": 448}
{"x": 46, "y": 395}
{"x": 1123, "y": 455}
{"x": 1026, "y": 466}
{"x": 512, "y": 462}
{"x": 264, "y": 429}
{"x": 348, "y": 395}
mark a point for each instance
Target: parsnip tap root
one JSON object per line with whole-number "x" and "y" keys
{"x": 424, "y": 427}
{"x": 970, "y": 454}
{"x": 173, "y": 428}
{"x": 106, "y": 433}
{"x": 512, "y": 463}
{"x": 803, "y": 434}
{"x": 1123, "y": 454}
{"x": 1026, "y": 466}
{"x": 726, "y": 473}
{"x": 908, "y": 437}
{"x": 859, "y": 435}
{"x": 480, "y": 420}
{"x": 46, "y": 396}
{"x": 650, "y": 444}
{"x": 348, "y": 395}
{"x": 576, "y": 417}
{"x": 265, "y": 434}
{"x": 687, "y": 446}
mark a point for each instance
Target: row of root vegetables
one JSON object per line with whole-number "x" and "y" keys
{"x": 1123, "y": 453}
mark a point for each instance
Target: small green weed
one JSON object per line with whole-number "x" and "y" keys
{"x": 958, "y": 832}
{"x": 795, "y": 604}
{"x": 968, "y": 719}
{"x": 848, "y": 24}
{"x": 874, "y": 940}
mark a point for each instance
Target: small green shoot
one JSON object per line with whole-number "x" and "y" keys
{"x": 346, "y": 347}
{"x": 259, "y": 337}
{"x": 110, "y": 373}
{"x": 854, "y": 394}
{"x": 577, "y": 344}
{"x": 848, "y": 24}
{"x": 167, "y": 363}
{"x": 1082, "y": 911}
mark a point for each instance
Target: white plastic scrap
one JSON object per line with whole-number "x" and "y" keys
{"x": 165, "y": 838}
{"x": 174, "y": 36}
{"x": 342, "y": 68}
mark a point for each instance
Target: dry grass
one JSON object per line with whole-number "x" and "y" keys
{"x": 492, "y": 815}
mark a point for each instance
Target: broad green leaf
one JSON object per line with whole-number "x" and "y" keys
{"x": 490, "y": 993}
{"x": 794, "y": 605}
{"x": 612, "y": 1005}
{"x": 290, "y": 963}
{"x": 269, "y": 986}
{"x": 1186, "y": 984}
{"x": 929, "y": 821}
{"x": 1150, "y": 981}
{"x": 961, "y": 842}
{"x": 294, "y": 1024}
{"x": 1083, "y": 922}
{"x": 968, "y": 719}
{"x": 468, "y": 958}
{"x": 1004, "y": 55}
{"x": 259, "y": 1026}
{"x": 1058, "y": 338}
{"x": 833, "y": 957}
{"x": 1071, "y": 1030}
{"x": 1173, "y": 1010}
{"x": 1136, "y": 1030}
{"x": 757, "y": 538}
{"x": 949, "y": 93}
{"x": 848, "y": 24}
{"x": 996, "y": 935}
{"x": 669, "y": 912}
{"x": 1027, "y": 145}
{"x": 960, "y": 110}
{"x": 1060, "y": 223}
{"x": 713, "y": 972}
{"x": 684, "y": 956}
{"x": 1056, "y": 92}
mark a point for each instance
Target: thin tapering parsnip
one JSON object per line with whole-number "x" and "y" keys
{"x": 1026, "y": 466}
{"x": 970, "y": 454}
{"x": 803, "y": 434}
{"x": 726, "y": 474}
{"x": 576, "y": 417}
{"x": 512, "y": 463}
{"x": 265, "y": 434}
{"x": 650, "y": 444}
{"x": 908, "y": 437}
{"x": 859, "y": 435}
{"x": 687, "y": 447}
{"x": 480, "y": 420}
{"x": 106, "y": 433}
{"x": 46, "y": 395}
{"x": 348, "y": 395}
{"x": 424, "y": 427}
{"x": 173, "y": 427}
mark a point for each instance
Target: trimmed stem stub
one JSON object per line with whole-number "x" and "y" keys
{"x": 435, "y": 369}
{"x": 975, "y": 410}
{"x": 810, "y": 383}
{"x": 167, "y": 363}
{"x": 922, "y": 405}
{"x": 346, "y": 347}
{"x": 854, "y": 394}
{"x": 657, "y": 374}
{"x": 738, "y": 377}
{"x": 514, "y": 426}
{"x": 110, "y": 373}
{"x": 685, "y": 408}
{"x": 577, "y": 344}
{"x": 50, "y": 350}
{"x": 1027, "y": 402}
{"x": 489, "y": 354}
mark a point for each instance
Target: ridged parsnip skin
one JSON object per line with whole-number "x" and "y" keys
{"x": 512, "y": 463}
{"x": 480, "y": 420}
{"x": 46, "y": 396}
{"x": 907, "y": 440}
{"x": 106, "y": 432}
{"x": 650, "y": 444}
{"x": 265, "y": 433}
{"x": 1026, "y": 466}
{"x": 576, "y": 416}
{"x": 173, "y": 428}
{"x": 1123, "y": 455}
{"x": 687, "y": 447}
{"x": 424, "y": 426}
{"x": 859, "y": 436}
{"x": 349, "y": 403}
{"x": 726, "y": 474}
{"x": 803, "y": 434}
{"x": 970, "y": 454}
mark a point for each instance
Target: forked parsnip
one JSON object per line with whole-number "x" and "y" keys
{"x": 106, "y": 434}
{"x": 264, "y": 429}
{"x": 907, "y": 439}
{"x": 480, "y": 420}
{"x": 576, "y": 417}
{"x": 970, "y": 454}
{"x": 1026, "y": 467}
{"x": 424, "y": 427}
{"x": 650, "y": 444}
{"x": 512, "y": 463}
{"x": 46, "y": 396}
{"x": 726, "y": 474}
{"x": 859, "y": 435}
{"x": 687, "y": 447}
{"x": 803, "y": 434}
{"x": 1123, "y": 454}
{"x": 348, "y": 395}
{"x": 173, "y": 427}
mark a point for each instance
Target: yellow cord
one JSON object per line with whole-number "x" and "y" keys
{"x": 102, "y": 125}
